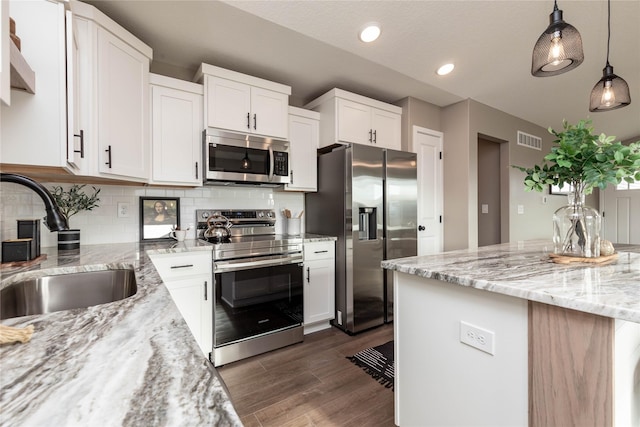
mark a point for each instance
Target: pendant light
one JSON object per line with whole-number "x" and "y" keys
{"x": 559, "y": 48}
{"x": 611, "y": 92}
{"x": 246, "y": 163}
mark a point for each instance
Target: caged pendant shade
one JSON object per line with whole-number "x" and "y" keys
{"x": 611, "y": 91}
{"x": 558, "y": 49}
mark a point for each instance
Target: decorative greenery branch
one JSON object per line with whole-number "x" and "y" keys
{"x": 584, "y": 161}
{"x": 75, "y": 200}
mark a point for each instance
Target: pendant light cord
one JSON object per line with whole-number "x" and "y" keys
{"x": 608, "y": 28}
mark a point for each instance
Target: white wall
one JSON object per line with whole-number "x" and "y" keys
{"x": 102, "y": 224}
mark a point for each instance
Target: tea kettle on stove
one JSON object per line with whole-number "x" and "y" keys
{"x": 218, "y": 228}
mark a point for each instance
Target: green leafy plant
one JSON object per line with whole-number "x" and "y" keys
{"x": 75, "y": 200}
{"x": 584, "y": 161}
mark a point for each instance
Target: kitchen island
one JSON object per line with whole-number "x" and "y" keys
{"x": 132, "y": 362}
{"x": 501, "y": 335}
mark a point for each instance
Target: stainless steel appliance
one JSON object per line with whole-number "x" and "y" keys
{"x": 258, "y": 283}
{"x": 367, "y": 197}
{"x": 237, "y": 158}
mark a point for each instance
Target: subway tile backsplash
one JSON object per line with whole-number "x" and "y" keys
{"x": 102, "y": 224}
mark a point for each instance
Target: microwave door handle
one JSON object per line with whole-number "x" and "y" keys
{"x": 271, "y": 162}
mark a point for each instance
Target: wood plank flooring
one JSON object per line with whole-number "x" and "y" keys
{"x": 311, "y": 384}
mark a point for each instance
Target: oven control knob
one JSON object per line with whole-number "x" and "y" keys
{"x": 260, "y": 214}
{"x": 269, "y": 214}
{"x": 205, "y": 215}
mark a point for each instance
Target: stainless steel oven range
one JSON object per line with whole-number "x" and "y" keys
{"x": 258, "y": 283}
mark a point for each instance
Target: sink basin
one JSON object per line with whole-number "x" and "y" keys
{"x": 66, "y": 291}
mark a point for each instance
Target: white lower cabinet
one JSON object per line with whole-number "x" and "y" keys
{"x": 188, "y": 277}
{"x": 319, "y": 285}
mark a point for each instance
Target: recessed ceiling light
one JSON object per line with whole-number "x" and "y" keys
{"x": 445, "y": 69}
{"x": 370, "y": 32}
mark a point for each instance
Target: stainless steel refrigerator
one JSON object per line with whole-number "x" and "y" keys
{"x": 366, "y": 198}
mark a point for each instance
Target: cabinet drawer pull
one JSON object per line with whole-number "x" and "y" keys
{"x": 248, "y": 120}
{"x": 205, "y": 290}
{"x": 182, "y": 266}
{"x": 320, "y": 252}
{"x": 375, "y": 137}
{"x": 81, "y": 150}
{"x": 196, "y": 170}
{"x": 370, "y": 135}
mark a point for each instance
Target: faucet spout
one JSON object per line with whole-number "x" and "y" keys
{"x": 55, "y": 220}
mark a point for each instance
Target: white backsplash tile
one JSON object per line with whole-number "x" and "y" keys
{"x": 102, "y": 225}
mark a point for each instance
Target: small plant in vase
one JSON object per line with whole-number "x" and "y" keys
{"x": 71, "y": 202}
{"x": 584, "y": 161}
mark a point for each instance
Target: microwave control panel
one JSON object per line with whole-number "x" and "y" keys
{"x": 280, "y": 163}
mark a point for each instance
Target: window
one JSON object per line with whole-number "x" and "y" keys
{"x": 624, "y": 185}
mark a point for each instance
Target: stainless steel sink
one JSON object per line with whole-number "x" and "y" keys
{"x": 66, "y": 291}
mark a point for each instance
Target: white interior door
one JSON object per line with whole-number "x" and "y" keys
{"x": 621, "y": 213}
{"x": 427, "y": 144}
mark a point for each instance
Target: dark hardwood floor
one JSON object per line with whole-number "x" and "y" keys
{"x": 311, "y": 383}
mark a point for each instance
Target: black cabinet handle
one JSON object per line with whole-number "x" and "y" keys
{"x": 291, "y": 177}
{"x": 205, "y": 290}
{"x": 182, "y": 266}
{"x": 320, "y": 252}
{"x": 81, "y": 150}
{"x": 255, "y": 121}
{"x": 308, "y": 275}
{"x": 421, "y": 228}
{"x": 248, "y": 120}
{"x": 196, "y": 170}
{"x": 375, "y": 137}
{"x": 370, "y": 135}
{"x": 108, "y": 150}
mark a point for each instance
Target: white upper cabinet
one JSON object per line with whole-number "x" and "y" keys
{"x": 304, "y": 133}
{"x": 243, "y": 103}
{"x": 115, "y": 95}
{"x": 351, "y": 118}
{"x": 176, "y": 131}
{"x": 34, "y": 129}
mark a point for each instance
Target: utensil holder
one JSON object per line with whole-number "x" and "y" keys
{"x": 293, "y": 226}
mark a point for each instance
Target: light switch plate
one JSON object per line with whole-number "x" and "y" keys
{"x": 123, "y": 210}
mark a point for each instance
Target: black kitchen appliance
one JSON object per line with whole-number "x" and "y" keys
{"x": 258, "y": 283}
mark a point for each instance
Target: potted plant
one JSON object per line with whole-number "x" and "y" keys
{"x": 70, "y": 203}
{"x": 584, "y": 161}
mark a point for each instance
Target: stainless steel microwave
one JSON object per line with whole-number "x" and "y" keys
{"x": 238, "y": 158}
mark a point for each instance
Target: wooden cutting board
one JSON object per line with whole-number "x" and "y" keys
{"x": 563, "y": 259}
{"x": 12, "y": 264}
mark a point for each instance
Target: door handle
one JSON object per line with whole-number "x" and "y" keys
{"x": 421, "y": 228}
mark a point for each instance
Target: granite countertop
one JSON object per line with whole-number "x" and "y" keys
{"x": 128, "y": 363}
{"x": 524, "y": 270}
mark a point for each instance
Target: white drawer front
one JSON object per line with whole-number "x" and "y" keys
{"x": 171, "y": 266}
{"x": 319, "y": 250}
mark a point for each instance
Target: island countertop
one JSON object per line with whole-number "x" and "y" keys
{"x": 524, "y": 270}
{"x": 128, "y": 363}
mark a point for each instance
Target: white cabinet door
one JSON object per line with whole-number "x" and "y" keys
{"x": 193, "y": 298}
{"x": 354, "y": 122}
{"x": 176, "y": 128}
{"x": 319, "y": 288}
{"x": 34, "y": 130}
{"x": 269, "y": 113}
{"x": 122, "y": 76}
{"x": 189, "y": 278}
{"x": 386, "y": 127}
{"x": 303, "y": 139}
{"x": 228, "y": 104}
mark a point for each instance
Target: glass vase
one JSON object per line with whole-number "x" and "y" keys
{"x": 576, "y": 229}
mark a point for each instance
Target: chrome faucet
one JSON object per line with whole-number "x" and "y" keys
{"x": 55, "y": 220}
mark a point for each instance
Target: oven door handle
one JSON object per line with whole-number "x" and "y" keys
{"x": 225, "y": 266}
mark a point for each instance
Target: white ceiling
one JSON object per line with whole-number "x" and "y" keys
{"x": 312, "y": 46}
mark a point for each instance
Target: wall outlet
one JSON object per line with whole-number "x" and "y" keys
{"x": 482, "y": 339}
{"x": 123, "y": 210}
{"x": 520, "y": 209}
